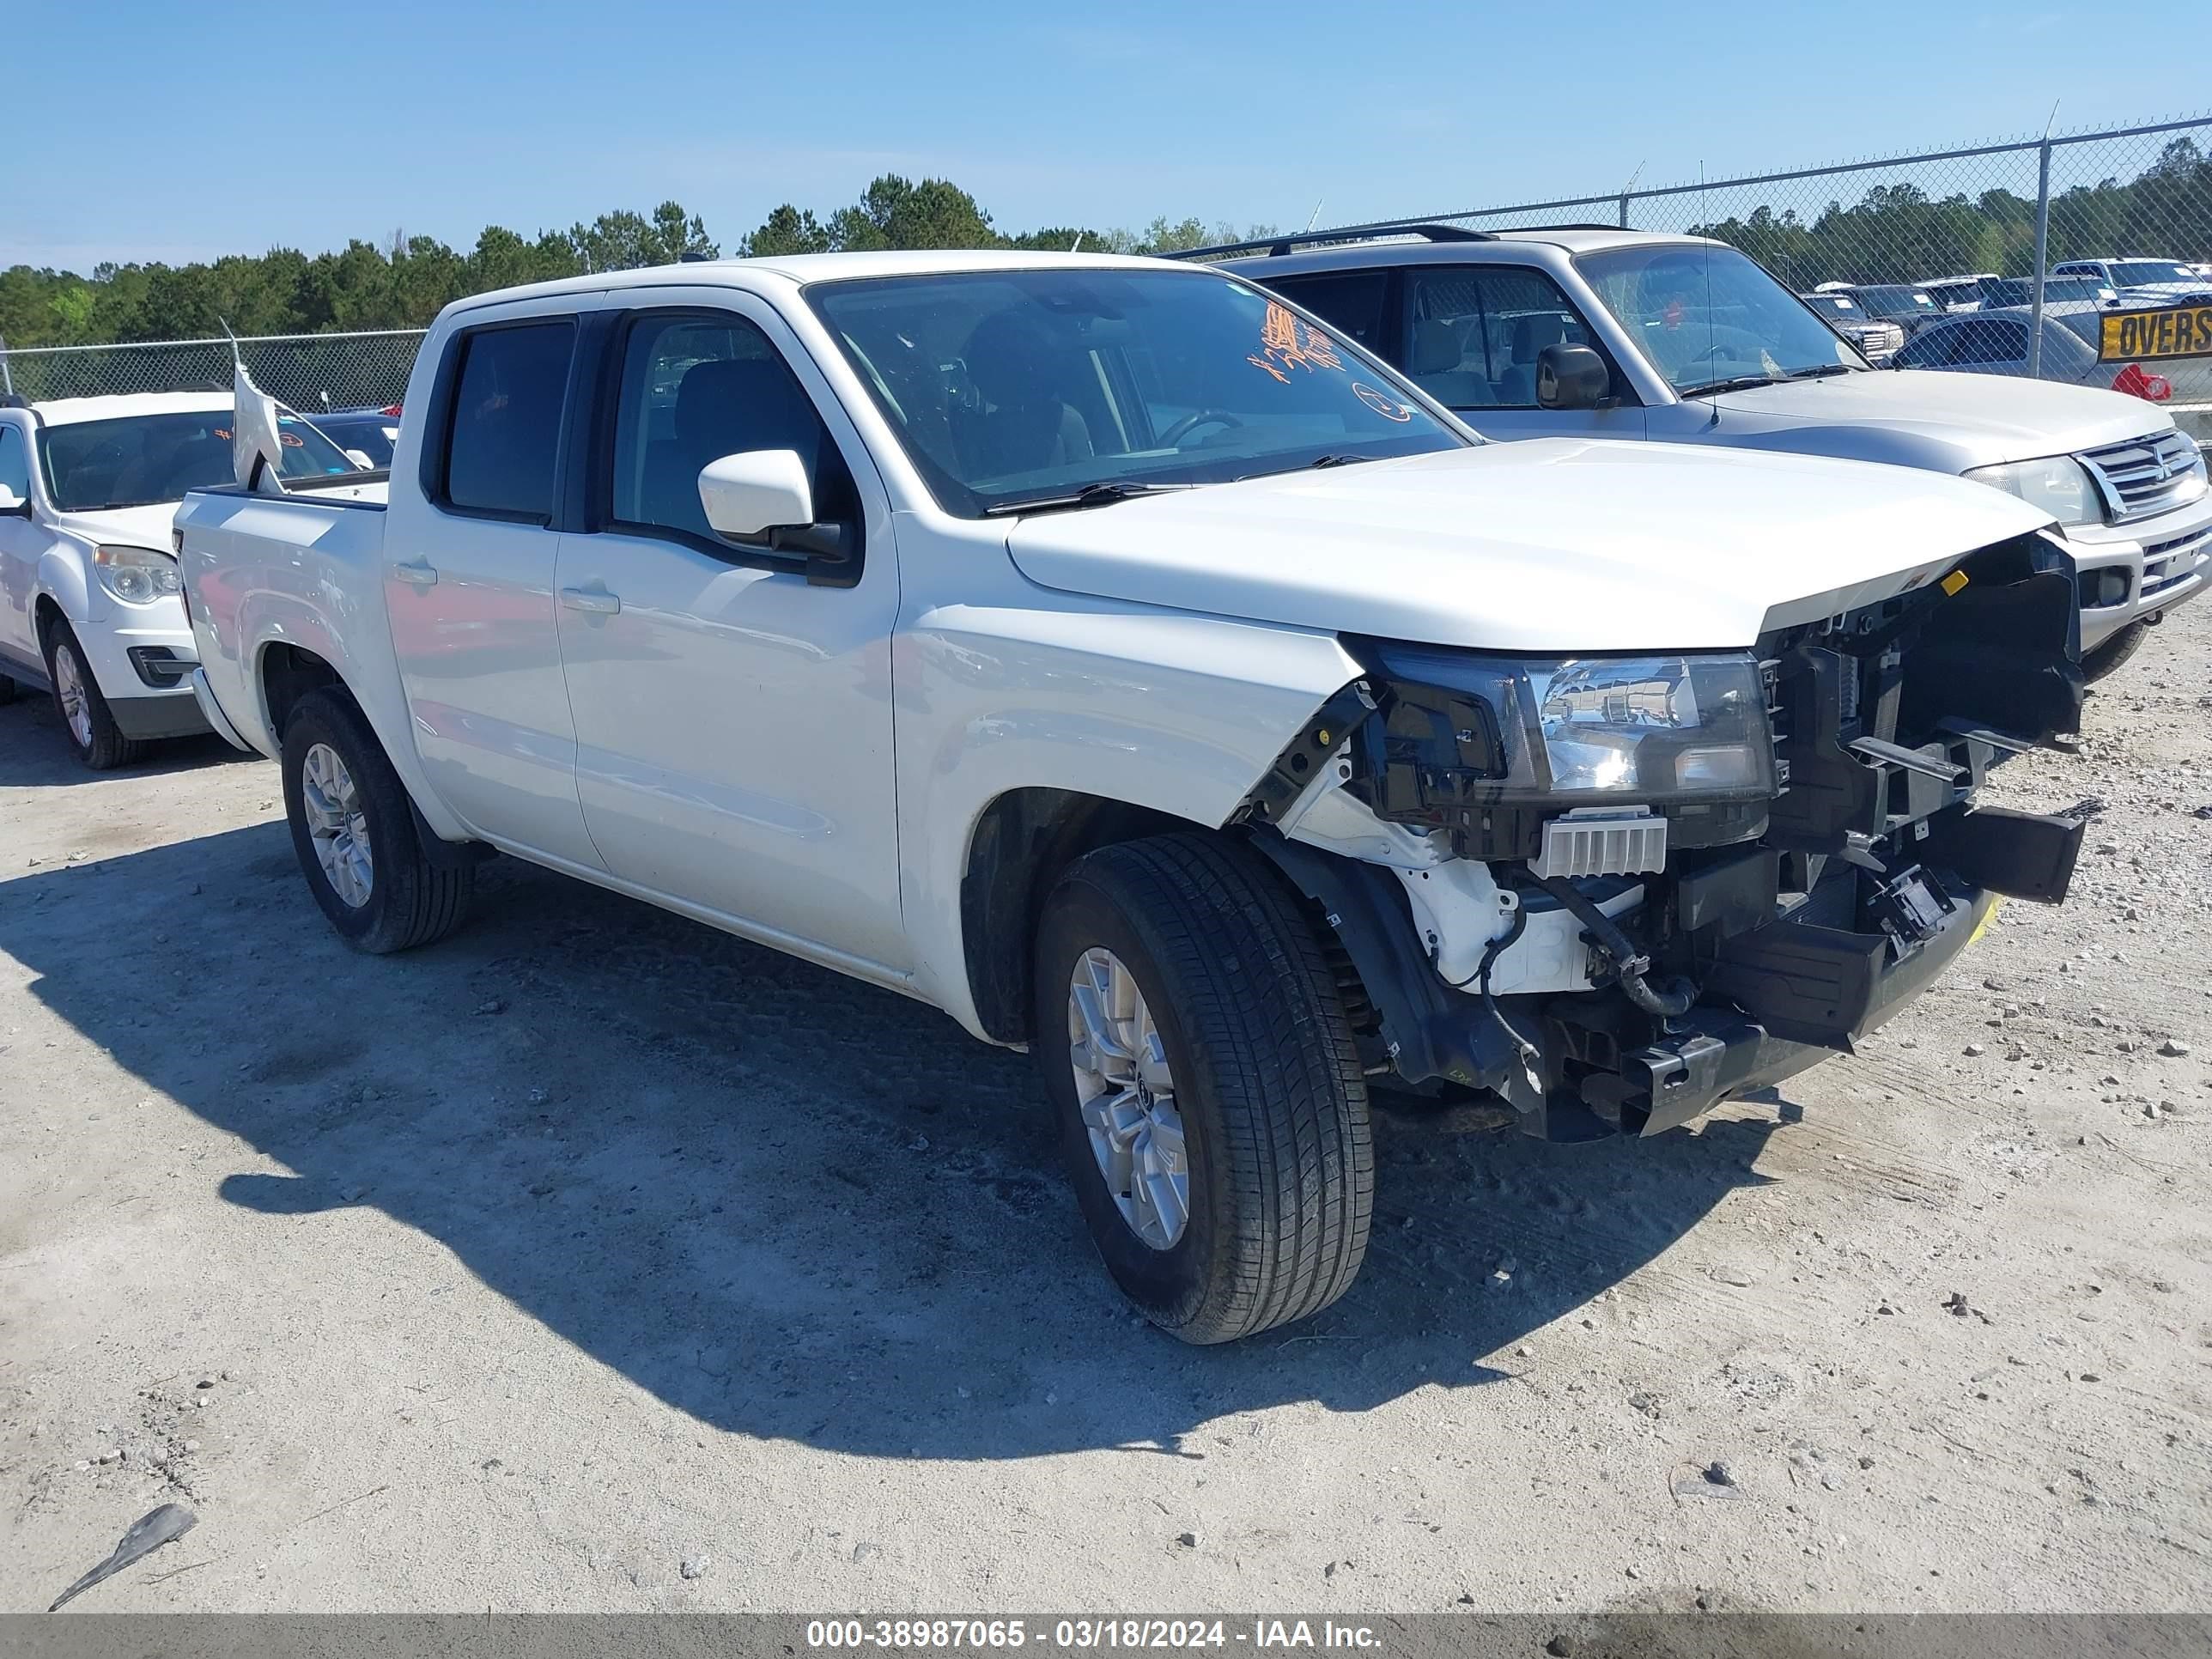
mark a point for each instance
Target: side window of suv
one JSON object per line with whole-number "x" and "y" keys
{"x": 696, "y": 386}
{"x": 1351, "y": 302}
{"x": 15, "y": 462}
{"x": 1477, "y": 331}
{"x": 503, "y": 431}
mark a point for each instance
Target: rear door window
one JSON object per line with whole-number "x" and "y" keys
{"x": 1352, "y": 303}
{"x": 1478, "y": 330}
{"x": 15, "y": 462}
{"x": 503, "y": 438}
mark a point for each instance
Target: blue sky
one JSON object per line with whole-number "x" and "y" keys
{"x": 176, "y": 133}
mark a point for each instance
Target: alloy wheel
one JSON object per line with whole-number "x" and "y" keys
{"x": 1126, "y": 1093}
{"x": 335, "y": 821}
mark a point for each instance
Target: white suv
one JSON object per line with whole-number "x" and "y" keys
{"x": 1674, "y": 339}
{"x": 89, "y": 602}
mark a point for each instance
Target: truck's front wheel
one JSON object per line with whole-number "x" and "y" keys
{"x": 1212, "y": 1109}
{"x": 356, "y": 835}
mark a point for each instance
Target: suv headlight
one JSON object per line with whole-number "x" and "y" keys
{"x": 2059, "y": 484}
{"x": 136, "y": 576}
{"x": 1565, "y": 731}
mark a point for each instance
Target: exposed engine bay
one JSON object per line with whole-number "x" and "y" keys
{"x": 1612, "y": 892}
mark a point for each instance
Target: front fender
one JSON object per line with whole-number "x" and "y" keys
{"x": 1176, "y": 713}
{"x": 65, "y": 577}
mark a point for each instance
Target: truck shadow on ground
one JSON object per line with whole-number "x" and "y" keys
{"x": 789, "y": 1204}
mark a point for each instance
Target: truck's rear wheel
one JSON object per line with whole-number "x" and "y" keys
{"x": 2107, "y": 657}
{"x": 1212, "y": 1109}
{"x": 86, "y": 717}
{"x": 356, "y": 836}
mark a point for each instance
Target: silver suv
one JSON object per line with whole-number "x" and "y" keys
{"x": 1598, "y": 333}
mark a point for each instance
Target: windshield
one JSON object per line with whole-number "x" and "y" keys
{"x": 139, "y": 460}
{"x": 2130, "y": 273}
{"x": 1897, "y": 302}
{"x": 1009, "y": 387}
{"x": 373, "y": 435}
{"x": 1841, "y": 304}
{"x": 1707, "y": 317}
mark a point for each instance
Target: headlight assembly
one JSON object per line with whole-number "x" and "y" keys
{"x": 2059, "y": 484}
{"x": 1588, "y": 730}
{"x": 1489, "y": 747}
{"x": 136, "y": 576}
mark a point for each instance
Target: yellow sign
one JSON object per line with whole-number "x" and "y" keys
{"x": 2168, "y": 331}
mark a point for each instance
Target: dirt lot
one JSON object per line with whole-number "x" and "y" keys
{"x": 594, "y": 1259}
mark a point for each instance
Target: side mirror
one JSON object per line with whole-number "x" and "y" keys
{"x": 1570, "y": 377}
{"x": 13, "y": 506}
{"x": 762, "y": 497}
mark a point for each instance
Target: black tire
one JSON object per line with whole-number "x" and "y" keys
{"x": 2107, "y": 657}
{"x": 1267, "y": 1081}
{"x": 410, "y": 899}
{"x": 107, "y": 747}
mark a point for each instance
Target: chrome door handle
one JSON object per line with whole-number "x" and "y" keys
{"x": 597, "y": 601}
{"x": 418, "y": 574}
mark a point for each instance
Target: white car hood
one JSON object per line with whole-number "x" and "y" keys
{"x": 1986, "y": 418}
{"x": 1559, "y": 546}
{"x": 122, "y": 526}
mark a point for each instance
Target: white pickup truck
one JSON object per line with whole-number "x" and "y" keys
{"x": 1108, "y": 654}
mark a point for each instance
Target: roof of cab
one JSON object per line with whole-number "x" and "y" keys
{"x": 802, "y": 268}
{"x": 69, "y": 411}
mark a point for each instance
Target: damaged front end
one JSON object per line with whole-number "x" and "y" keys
{"x": 1613, "y": 892}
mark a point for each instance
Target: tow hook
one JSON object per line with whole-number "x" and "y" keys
{"x": 1909, "y": 908}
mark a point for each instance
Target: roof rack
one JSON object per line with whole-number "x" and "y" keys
{"x": 1273, "y": 245}
{"x": 1583, "y": 224}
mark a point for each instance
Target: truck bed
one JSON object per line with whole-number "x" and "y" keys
{"x": 305, "y": 568}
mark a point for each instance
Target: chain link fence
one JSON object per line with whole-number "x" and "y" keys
{"x": 308, "y": 372}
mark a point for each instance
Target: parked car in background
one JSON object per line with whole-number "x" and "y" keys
{"x": 1957, "y": 293}
{"x": 2003, "y": 291}
{"x": 2137, "y": 281}
{"x": 1995, "y": 342}
{"x": 89, "y": 604}
{"x": 1125, "y": 663}
{"x": 1894, "y": 302}
{"x": 1877, "y": 341}
{"x": 1682, "y": 340}
{"x": 370, "y": 432}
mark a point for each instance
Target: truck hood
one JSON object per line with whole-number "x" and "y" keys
{"x": 1960, "y": 421}
{"x": 122, "y": 526}
{"x": 1559, "y": 546}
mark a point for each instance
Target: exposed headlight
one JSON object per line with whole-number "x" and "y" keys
{"x": 1581, "y": 730}
{"x": 2059, "y": 484}
{"x": 2194, "y": 479}
{"x": 136, "y": 576}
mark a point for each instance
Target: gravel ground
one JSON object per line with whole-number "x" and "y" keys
{"x": 595, "y": 1261}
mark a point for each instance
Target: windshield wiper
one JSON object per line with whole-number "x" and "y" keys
{"x": 1091, "y": 495}
{"x": 1734, "y": 383}
{"x": 1819, "y": 371}
{"x": 1338, "y": 460}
